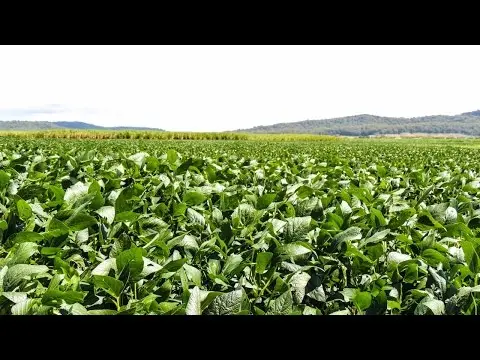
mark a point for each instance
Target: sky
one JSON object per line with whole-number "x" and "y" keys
{"x": 219, "y": 88}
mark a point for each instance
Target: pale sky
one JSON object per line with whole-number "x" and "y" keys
{"x": 216, "y": 88}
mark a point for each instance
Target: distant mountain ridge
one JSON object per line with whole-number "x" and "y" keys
{"x": 474, "y": 113}
{"x": 467, "y": 124}
{"x": 73, "y": 125}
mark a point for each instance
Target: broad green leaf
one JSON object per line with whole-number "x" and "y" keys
{"x": 439, "y": 280}
{"x": 139, "y": 158}
{"x": 4, "y": 179}
{"x": 3, "y": 272}
{"x": 57, "y": 192}
{"x": 172, "y": 156}
{"x": 24, "y": 210}
{"x": 341, "y": 312}
{"x": 309, "y": 311}
{"x": 23, "y": 308}
{"x": 122, "y": 203}
{"x": 189, "y": 242}
{"x": 282, "y": 305}
{"x": 217, "y": 216}
{"x": 152, "y": 163}
{"x": 211, "y": 174}
{"x": 110, "y": 285}
{"x": 194, "y": 302}
{"x": 80, "y": 221}
{"x": 194, "y": 198}
{"x": 102, "y": 312}
{"x": 168, "y": 307}
{"x": 227, "y": 304}
{"x": 3, "y": 225}
{"x": 335, "y": 220}
{"x": 129, "y": 216}
{"x": 379, "y": 216}
{"x": 27, "y": 236}
{"x": 130, "y": 261}
{"x": 78, "y": 309}
{"x": 345, "y": 208}
{"x": 97, "y": 200}
{"x": 426, "y": 221}
{"x": 82, "y": 236}
{"x": 298, "y": 282}
{"x": 278, "y": 225}
{"x": 232, "y": 263}
{"x": 107, "y": 212}
{"x": 353, "y": 251}
{"x": 245, "y": 213}
{"x": 398, "y": 207}
{"x": 433, "y": 258}
{"x": 436, "y": 307}
{"x": 195, "y": 217}
{"x": 15, "y": 297}
{"x": 295, "y": 249}
{"x": 265, "y": 200}
{"x": 349, "y": 293}
{"x": 376, "y": 237}
{"x": 262, "y": 261}
{"x": 396, "y": 257}
{"x": 174, "y": 265}
{"x": 193, "y": 274}
{"x": 149, "y": 267}
{"x": 308, "y": 206}
{"x": 63, "y": 266}
{"x": 55, "y": 229}
{"x": 207, "y": 297}
{"x": 391, "y": 305}
{"x": 75, "y": 192}
{"x": 362, "y": 300}
{"x": 103, "y": 269}
{"x": 443, "y": 212}
{"x": 70, "y": 297}
{"x": 24, "y": 252}
{"x": 352, "y": 233}
{"x": 297, "y": 228}
{"x": 290, "y": 267}
{"x": 318, "y": 294}
{"x": 471, "y": 256}
{"x": 48, "y": 251}
{"x": 304, "y": 191}
{"x": 179, "y": 209}
{"x": 16, "y": 273}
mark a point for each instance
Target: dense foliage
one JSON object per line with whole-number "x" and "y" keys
{"x": 366, "y": 125}
{"x": 238, "y": 227}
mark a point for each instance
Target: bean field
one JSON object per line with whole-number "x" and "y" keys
{"x": 198, "y": 227}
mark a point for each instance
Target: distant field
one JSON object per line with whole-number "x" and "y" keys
{"x": 164, "y": 135}
{"x": 156, "y": 135}
{"x": 235, "y": 226}
{"x": 422, "y": 135}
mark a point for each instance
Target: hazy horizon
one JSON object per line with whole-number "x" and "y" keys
{"x": 218, "y": 88}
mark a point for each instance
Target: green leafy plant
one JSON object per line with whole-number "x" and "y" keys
{"x": 239, "y": 227}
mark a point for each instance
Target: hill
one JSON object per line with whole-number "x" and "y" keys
{"x": 474, "y": 113}
{"x": 57, "y": 125}
{"x": 370, "y": 125}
